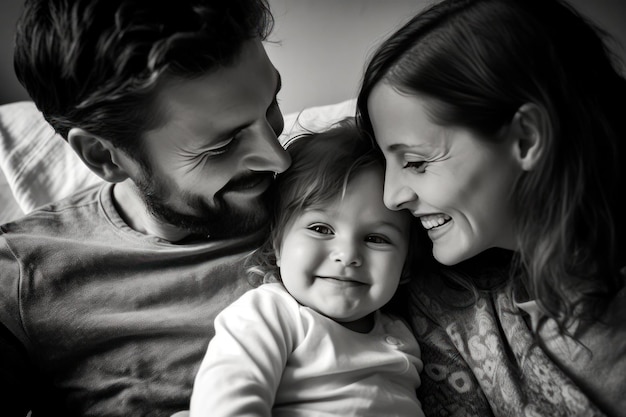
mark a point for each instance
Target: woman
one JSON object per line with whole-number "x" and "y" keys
{"x": 500, "y": 123}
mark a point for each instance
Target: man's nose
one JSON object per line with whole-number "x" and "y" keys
{"x": 265, "y": 152}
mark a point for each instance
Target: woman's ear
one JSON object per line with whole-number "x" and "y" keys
{"x": 529, "y": 130}
{"x": 98, "y": 154}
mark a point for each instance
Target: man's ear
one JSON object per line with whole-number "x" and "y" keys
{"x": 98, "y": 154}
{"x": 530, "y": 130}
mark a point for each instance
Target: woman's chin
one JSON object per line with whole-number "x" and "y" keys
{"x": 450, "y": 256}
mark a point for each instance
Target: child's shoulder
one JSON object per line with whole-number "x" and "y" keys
{"x": 267, "y": 296}
{"x": 272, "y": 289}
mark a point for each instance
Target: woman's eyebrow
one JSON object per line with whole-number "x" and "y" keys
{"x": 395, "y": 147}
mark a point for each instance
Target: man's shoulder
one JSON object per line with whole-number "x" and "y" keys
{"x": 80, "y": 210}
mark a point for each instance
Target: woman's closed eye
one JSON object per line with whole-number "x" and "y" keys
{"x": 414, "y": 163}
{"x": 418, "y": 166}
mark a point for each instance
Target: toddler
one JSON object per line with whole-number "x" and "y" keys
{"x": 312, "y": 340}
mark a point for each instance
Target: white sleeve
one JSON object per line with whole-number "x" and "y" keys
{"x": 244, "y": 362}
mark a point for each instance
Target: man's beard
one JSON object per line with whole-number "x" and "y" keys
{"x": 217, "y": 222}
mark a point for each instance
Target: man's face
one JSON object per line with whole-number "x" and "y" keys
{"x": 212, "y": 160}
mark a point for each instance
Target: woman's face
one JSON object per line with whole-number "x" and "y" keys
{"x": 456, "y": 182}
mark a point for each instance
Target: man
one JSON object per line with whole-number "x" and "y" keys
{"x": 107, "y": 298}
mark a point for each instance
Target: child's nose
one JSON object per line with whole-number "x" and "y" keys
{"x": 347, "y": 254}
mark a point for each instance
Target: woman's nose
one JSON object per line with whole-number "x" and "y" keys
{"x": 396, "y": 195}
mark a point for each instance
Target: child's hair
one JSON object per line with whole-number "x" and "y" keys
{"x": 477, "y": 62}
{"x": 322, "y": 166}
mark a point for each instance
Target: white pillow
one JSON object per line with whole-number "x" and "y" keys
{"x": 40, "y": 167}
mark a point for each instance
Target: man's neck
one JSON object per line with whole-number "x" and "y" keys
{"x": 132, "y": 209}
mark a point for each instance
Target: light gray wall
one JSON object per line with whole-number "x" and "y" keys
{"x": 321, "y": 45}
{"x": 10, "y": 88}
{"x": 325, "y": 43}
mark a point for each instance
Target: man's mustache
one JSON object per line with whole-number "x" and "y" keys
{"x": 244, "y": 181}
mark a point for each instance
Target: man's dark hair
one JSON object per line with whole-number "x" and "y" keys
{"x": 95, "y": 64}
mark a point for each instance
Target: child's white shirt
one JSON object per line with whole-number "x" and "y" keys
{"x": 272, "y": 356}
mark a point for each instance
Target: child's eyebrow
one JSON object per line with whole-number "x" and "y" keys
{"x": 391, "y": 225}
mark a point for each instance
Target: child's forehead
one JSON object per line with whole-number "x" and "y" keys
{"x": 362, "y": 193}
{"x": 350, "y": 183}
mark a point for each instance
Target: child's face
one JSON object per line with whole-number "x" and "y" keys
{"x": 345, "y": 260}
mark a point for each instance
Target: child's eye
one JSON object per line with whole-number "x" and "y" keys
{"x": 380, "y": 240}
{"x": 321, "y": 229}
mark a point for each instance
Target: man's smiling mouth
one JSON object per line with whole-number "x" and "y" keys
{"x": 251, "y": 183}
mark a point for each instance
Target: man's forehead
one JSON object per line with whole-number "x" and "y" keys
{"x": 221, "y": 101}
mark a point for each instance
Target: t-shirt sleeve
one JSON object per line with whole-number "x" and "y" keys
{"x": 244, "y": 362}
{"x": 15, "y": 367}
{"x": 10, "y": 275}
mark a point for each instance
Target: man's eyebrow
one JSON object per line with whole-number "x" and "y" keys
{"x": 233, "y": 132}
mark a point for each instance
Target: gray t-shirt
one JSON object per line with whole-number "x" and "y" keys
{"x": 114, "y": 321}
